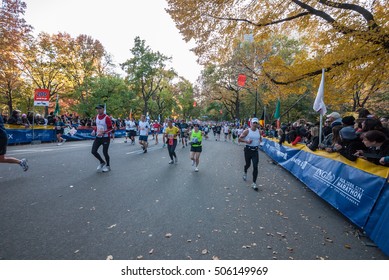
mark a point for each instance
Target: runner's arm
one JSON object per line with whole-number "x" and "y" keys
{"x": 243, "y": 136}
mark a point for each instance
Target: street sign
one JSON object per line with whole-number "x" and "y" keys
{"x": 41, "y": 97}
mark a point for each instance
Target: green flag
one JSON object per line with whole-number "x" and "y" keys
{"x": 277, "y": 113}
{"x": 56, "y": 110}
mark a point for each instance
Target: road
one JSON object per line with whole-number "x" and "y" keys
{"x": 144, "y": 208}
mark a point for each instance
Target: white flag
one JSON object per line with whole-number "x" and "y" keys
{"x": 319, "y": 105}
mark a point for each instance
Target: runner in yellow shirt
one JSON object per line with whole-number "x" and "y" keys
{"x": 171, "y": 133}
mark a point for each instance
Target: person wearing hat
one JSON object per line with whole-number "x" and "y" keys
{"x": 334, "y": 118}
{"x": 3, "y": 149}
{"x": 350, "y": 143}
{"x": 102, "y": 131}
{"x": 252, "y": 138}
{"x": 15, "y": 118}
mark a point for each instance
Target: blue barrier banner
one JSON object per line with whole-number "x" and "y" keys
{"x": 352, "y": 191}
{"x": 377, "y": 227}
{"x": 27, "y": 135}
{"x": 21, "y": 135}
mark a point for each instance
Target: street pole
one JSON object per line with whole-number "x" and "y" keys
{"x": 256, "y": 101}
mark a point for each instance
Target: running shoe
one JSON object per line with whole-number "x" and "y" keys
{"x": 145, "y": 151}
{"x": 196, "y": 169}
{"x": 254, "y": 186}
{"x": 171, "y": 162}
{"x": 244, "y": 176}
{"x": 23, "y": 163}
{"x": 100, "y": 167}
{"x": 106, "y": 168}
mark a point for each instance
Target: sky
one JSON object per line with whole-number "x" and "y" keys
{"x": 115, "y": 24}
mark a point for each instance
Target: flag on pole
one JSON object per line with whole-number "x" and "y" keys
{"x": 262, "y": 119}
{"x": 319, "y": 105}
{"x": 56, "y": 110}
{"x": 277, "y": 113}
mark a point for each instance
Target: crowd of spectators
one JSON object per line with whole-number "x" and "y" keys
{"x": 366, "y": 136}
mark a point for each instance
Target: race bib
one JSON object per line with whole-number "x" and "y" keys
{"x": 100, "y": 129}
{"x": 171, "y": 141}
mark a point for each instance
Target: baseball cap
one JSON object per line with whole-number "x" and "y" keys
{"x": 99, "y": 106}
{"x": 254, "y": 120}
{"x": 334, "y": 115}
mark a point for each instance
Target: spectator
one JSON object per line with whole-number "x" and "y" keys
{"x": 25, "y": 121}
{"x": 334, "y": 118}
{"x": 364, "y": 113}
{"x": 39, "y": 120}
{"x": 374, "y": 124}
{"x": 50, "y": 119}
{"x": 300, "y": 134}
{"x": 377, "y": 147}
{"x": 350, "y": 143}
{"x": 313, "y": 143}
{"x": 332, "y": 139}
{"x": 15, "y": 118}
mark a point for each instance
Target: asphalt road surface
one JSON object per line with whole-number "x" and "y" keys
{"x": 62, "y": 209}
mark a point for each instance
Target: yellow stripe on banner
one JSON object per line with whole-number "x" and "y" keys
{"x": 361, "y": 164}
{"x": 14, "y": 126}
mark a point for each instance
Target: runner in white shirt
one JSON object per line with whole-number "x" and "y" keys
{"x": 252, "y": 138}
{"x": 127, "y": 123}
{"x": 144, "y": 128}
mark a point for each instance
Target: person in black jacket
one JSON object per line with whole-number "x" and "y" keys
{"x": 349, "y": 144}
{"x": 377, "y": 147}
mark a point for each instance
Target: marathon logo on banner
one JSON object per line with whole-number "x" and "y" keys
{"x": 41, "y": 97}
{"x": 352, "y": 191}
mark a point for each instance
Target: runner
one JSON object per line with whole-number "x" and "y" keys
{"x": 252, "y": 138}
{"x": 226, "y": 129}
{"x": 3, "y": 149}
{"x": 171, "y": 133}
{"x": 184, "y": 133}
{"x": 103, "y": 134}
{"x": 144, "y": 128}
{"x": 163, "y": 133}
{"x": 59, "y": 127}
{"x": 195, "y": 137}
{"x": 218, "y": 131}
{"x": 127, "y": 123}
{"x": 157, "y": 128}
{"x": 132, "y": 129}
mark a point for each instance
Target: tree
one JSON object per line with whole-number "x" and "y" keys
{"x": 13, "y": 33}
{"x": 145, "y": 71}
{"x": 110, "y": 90}
{"x": 327, "y": 29}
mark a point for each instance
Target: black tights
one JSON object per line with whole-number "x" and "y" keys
{"x": 250, "y": 155}
{"x": 96, "y": 144}
{"x": 171, "y": 149}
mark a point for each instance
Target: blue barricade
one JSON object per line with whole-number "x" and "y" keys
{"x": 21, "y": 135}
{"x": 359, "y": 190}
